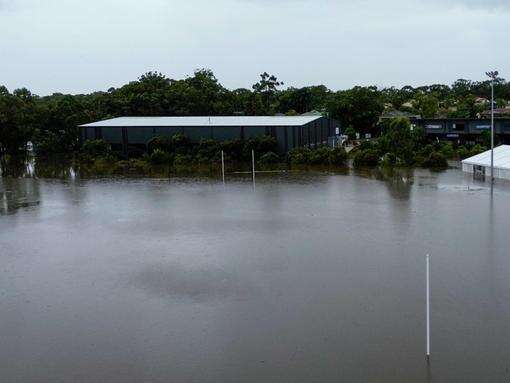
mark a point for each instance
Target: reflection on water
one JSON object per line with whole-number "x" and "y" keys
{"x": 398, "y": 180}
{"x": 312, "y": 276}
{"x": 62, "y": 168}
{"x": 18, "y": 193}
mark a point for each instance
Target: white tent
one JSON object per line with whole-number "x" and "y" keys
{"x": 481, "y": 163}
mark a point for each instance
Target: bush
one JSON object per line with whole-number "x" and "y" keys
{"x": 337, "y": 156}
{"x": 233, "y": 149}
{"x": 367, "y": 157}
{"x": 183, "y": 160}
{"x": 159, "y": 157}
{"x": 319, "y": 156}
{"x": 95, "y": 148}
{"x": 351, "y": 133}
{"x": 299, "y": 156}
{"x": 269, "y": 158}
{"x": 364, "y": 145}
{"x": 486, "y": 138}
{"x": 436, "y": 160}
{"x": 426, "y": 151}
{"x": 260, "y": 145}
{"x": 463, "y": 152}
{"x": 447, "y": 150}
{"x": 180, "y": 144}
{"x": 208, "y": 150}
{"x": 162, "y": 143}
{"x": 135, "y": 152}
{"x": 477, "y": 149}
{"x": 389, "y": 159}
{"x": 323, "y": 155}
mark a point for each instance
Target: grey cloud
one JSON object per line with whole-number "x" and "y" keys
{"x": 77, "y": 46}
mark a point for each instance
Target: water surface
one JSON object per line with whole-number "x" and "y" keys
{"x": 311, "y": 277}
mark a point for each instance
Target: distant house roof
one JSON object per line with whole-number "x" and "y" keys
{"x": 501, "y": 158}
{"x": 481, "y": 100}
{"x": 497, "y": 111}
{"x": 203, "y": 121}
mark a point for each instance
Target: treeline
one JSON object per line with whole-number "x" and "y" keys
{"x": 50, "y": 122}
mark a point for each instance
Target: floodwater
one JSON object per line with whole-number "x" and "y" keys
{"x": 309, "y": 277}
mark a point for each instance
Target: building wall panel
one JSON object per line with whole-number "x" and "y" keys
{"x": 112, "y": 135}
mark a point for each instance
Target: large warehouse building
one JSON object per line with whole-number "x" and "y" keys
{"x": 289, "y": 131}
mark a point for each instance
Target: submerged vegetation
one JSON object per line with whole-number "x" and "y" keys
{"x": 177, "y": 153}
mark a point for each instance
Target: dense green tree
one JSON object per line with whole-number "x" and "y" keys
{"x": 267, "y": 89}
{"x": 18, "y": 118}
{"x": 359, "y": 107}
{"x": 428, "y": 105}
{"x": 199, "y": 95}
{"x": 303, "y": 100}
{"x": 59, "y": 132}
{"x": 145, "y": 97}
{"x": 399, "y": 140}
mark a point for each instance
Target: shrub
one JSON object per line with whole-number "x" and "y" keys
{"x": 477, "y": 149}
{"x": 138, "y": 165}
{"x": 260, "y": 145}
{"x": 180, "y": 144}
{"x": 389, "y": 159}
{"x": 233, "y": 149}
{"x": 269, "y": 158}
{"x": 426, "y": 150}
{"x": 364, "y": 145}
{"x": 447, "y": 150}
{"x": 351, "y": 133}
{"x": 323, "y": 155}
{"x": 161, "y": 143}
{"x": 135, "y": 152}
{"x": 319, "y": 156}
{"x": 159, "y": 157}
{"x": 463, "y": 152}
{"x": 183, "y": 160}
{"x": 95, "y": 148}
{"x": 266, "y": 144}
{"x": 337, "y": 156}
{"x": 367, "y": 157}
{"x": 486, "y": 138}
{"x": 208, "y": 150}
{"x": 436, "y": 160}
{"x": 299, "y": 156}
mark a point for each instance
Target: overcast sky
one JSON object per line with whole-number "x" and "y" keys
{"x": 79, "y": 46}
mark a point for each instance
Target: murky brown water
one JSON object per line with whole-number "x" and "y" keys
{"x": 309, "y": 278}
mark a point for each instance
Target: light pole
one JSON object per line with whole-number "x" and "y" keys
{"x": 493, "y": 75}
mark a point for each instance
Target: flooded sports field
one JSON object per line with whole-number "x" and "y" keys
{"x": 308, "y": 277}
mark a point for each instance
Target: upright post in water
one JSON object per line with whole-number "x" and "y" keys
{"x": 253, "y": 166}
{"x": 427, "y": 259}
{"x": 222, "y": 167}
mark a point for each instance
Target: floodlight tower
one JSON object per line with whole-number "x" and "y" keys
{"x": 493, "y": 75}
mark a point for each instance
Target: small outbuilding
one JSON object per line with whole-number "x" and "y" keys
{"x": 481, "y": 163}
